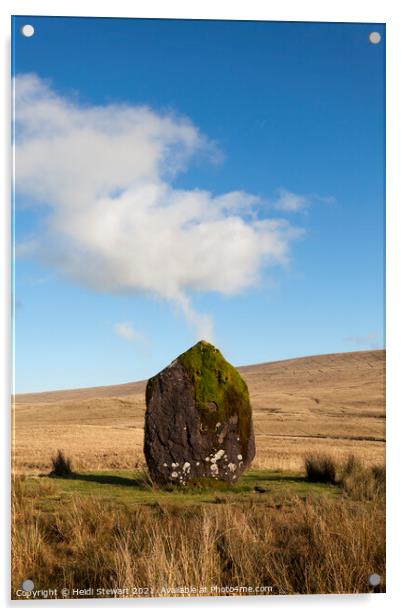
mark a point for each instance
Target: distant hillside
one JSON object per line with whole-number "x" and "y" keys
{"x": 335, "y": 401}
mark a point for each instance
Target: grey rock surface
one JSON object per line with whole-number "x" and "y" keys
{"x": 198, "y": 421}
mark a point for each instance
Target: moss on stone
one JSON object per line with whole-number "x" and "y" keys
{"x": 220, "y": 392}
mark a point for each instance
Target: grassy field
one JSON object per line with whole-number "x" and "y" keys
{"x": 334, "y": 402}
{"x": 106, "y": 528}
{"x": 133, "y": 488}
{"x": 272, "y": 533}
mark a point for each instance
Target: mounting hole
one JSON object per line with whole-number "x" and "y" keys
{"x": 374, "y": 38}
{"x": 28, "y": 30}
{"x": 374, "y": 579}
{"x": 28, "y": 585}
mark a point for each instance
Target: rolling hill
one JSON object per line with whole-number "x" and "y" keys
{"x": 334, "y": 402}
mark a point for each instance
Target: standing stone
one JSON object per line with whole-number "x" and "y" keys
{"x": 198, "y": 422}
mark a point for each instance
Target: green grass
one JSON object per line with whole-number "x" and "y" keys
{"x": 111, "y": 529}
{"x": 132, "y": 488}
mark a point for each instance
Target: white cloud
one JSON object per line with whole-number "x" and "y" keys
{"x": 126, "y": 331}
{"x": 111, "y": 217}
{"x": 25, "y": 249}
{"x": 291, "y": 202}
{"x": 369, "y": 340}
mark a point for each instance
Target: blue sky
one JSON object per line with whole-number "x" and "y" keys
{"x": 238, "y": 168}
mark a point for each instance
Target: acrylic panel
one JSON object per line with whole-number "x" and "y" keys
{"x": 198, "y": 308}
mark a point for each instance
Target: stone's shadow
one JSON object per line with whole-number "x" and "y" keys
{"x": 144, "y": 483}
{"x": 115, "y": 480}
{"x": 275, "y": 477}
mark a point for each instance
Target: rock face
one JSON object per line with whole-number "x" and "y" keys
{"x": 198, "y": 422}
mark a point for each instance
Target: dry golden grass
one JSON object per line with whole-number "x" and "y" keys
{"x": 332, "y": 405}
{"x": 291, "y": 544}
{"x": 331, "y": 402}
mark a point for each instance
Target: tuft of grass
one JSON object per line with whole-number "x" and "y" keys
{"x": 61, "y": 466}
{"x": 320, "y": 467}
{"x": 379, "y": 474}
{"x": 362, "y": 482}
{"x": 353, "y": 477}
